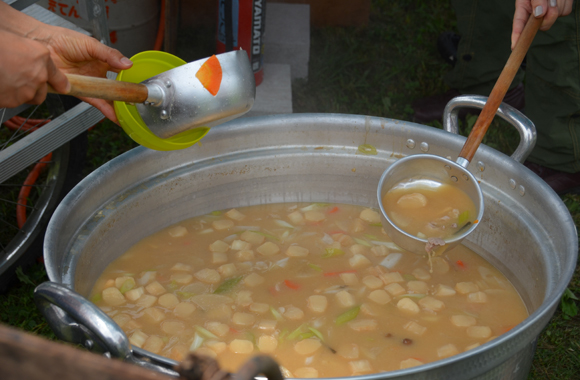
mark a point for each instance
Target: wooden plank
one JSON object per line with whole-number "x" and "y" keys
{"x": 26, "y": 356}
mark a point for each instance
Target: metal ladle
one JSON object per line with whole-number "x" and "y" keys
{"x": 442, "y": 170}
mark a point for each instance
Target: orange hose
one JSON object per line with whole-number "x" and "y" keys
{"x": 27, "y": 187}
{"x": 161, "y": 28}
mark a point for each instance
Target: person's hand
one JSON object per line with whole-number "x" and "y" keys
{"x": 549, "y": 9}
{"x": 75, "y": 53}
{"x": 27, "y": 67}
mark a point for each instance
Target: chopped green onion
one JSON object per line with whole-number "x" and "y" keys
{"x": 363, "y": 242}
{"x": 282, "y": 335}
{"x": 367, "y": 149}
{"x": 294, "y": 334}
{"x": 283, "y": 223}
{"x": 306, "y": 335}
{"x": 347, "y": 316}
{"x": 173, "y": 285}
{"x": 128, "y": 284}
{"x": 317, "y": 333}
{"x": 227, "y": 285}
{"x": 276, "y": 314}
{"x": 315, "y": 267}
{"x": 463, "y": 218}
{"x": 322, "y": 204}
{"x": 251, "y": 337}
{"x": 197, "y": 342}
{"x": 409, "y": 295}
{"x": 97, "y": 298}
{"x": 409, "y": 277}
{"x": 266, "y": 235}
{"x": 165, "y": 339}
{"x": 372, "y": 237}
{"x": 185, "y": 295}
{"x": 376, "y": 224}
{"x": 216, "y": 213}
{"x": 311, "y": 207}
{"x": 205, "y": 332}
{"x": 331, "y": 252}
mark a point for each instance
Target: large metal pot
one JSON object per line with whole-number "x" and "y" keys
{"x": 526, "y": 232}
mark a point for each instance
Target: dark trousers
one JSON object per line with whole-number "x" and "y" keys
{"x": 551, "y": 78}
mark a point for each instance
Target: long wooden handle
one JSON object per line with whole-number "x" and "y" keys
{"x": 101, "y": 88}
{"x": 501, "y": 87}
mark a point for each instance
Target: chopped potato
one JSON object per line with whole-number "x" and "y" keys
{"x": 153, "y": 315}
{"x": 267, "y": 324}
{"x": 135, "y": 294}
{"x": 182, "y": 278}
{"x": 444, "y": 291}
{"x": 252, "y": 237}
{"x": 350, "y": 279}
{"x": 466, "y": 287}
{"x": 216, "y": 346}
{"x": 389, "y": 278}
{"x": 138, "y": 338}
{"x": 209, "y": 276}
{"x": 146, "y": 300}
{"x": 306, "y": 373}
{"x": 172, "y": 327}
{"x": 219, "y": 258}
{"x": 253, "y": 280}
{"x": 314, "y": 216}
{"x": 360, "y": 366}
{"x": 463, "y": 320}
{"x": 415, "y": 328}
{"x": 153, "y": 344}
{"x": 395, "y": 289}
{"x": 240, "y": 245}
{"x": 223, "y": 224}
{"x": 244, "y": 298}
{"x": 235, "y": 215}
{"x": 219, "y": 246}
{"x": 178, "y": 231}
{"x": 361, "y": 325}
{"x": 317, "y": 303}
{"x": 421, "y": 274}
{"x": 412, "y": 201}
{"x": 419, "y": 287}
{"x": 243, "y": 319}
{"x": 372, "y": 282}
{"x": 113, "y": 297}
{"x": 345, "y": 299}
{"x": 477, "y": 297}
{"x": 408, "y": 306}
{"x": 227, "y": 270}
{"x": 168, "y": 300}
{"x": 155, "y": 288}
{"x": 370, "y": 215}
{"x": 479, "y": 332}
{"x": 182, "y": 267}
{"x": 359, "y": 225}
{"x": 268, "y": 249}
{"x": 447, "y": 351}
{"x": 410, "y": 362}
{"x": 380, "y": 296}
{"x": 380, "y": 250}
{"x": 267, "y": 344}
{"x": 297, "y": 251}
{"x": 307, "y": 346}
{"x": 293, "y": 313}
{"x": 296, "y": 218}
{"x": 218, "y": 328}
{"x": 260, "y": 308}
{"x": 245, "y": 255}
{"x": 241, "y": 346}
{"x": 184, "y": 309}
{"x": 348, "y": 350}
{"x": 431, "y": 303}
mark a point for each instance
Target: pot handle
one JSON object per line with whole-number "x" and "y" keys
{"x": 75, "y": 319}
{"x": 525, "y": 127}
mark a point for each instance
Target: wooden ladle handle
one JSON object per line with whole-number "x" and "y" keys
{"x": 101, "y": 88}
{"x": 501, "y": 87}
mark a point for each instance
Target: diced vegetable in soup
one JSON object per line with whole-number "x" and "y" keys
{"x": 319, "y": 287}
{"x": 429, "y": 209}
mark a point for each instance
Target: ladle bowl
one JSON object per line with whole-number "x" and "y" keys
{"x": 434, "y": 168}
{"x": 446, "y": 171}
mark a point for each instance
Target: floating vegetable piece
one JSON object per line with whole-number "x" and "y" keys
{"x": 463, "y": 218}
{"x": 210, "y": 75}
{"x": 227, "y": 285}
{"x": 315, "y": 267}
{"x": 205, "y": 332}
{"x": 347, "y": 316}
{"x": 292, "y": 285}
{"x": 331, "y": 252}
{"x": 367, "y": 149}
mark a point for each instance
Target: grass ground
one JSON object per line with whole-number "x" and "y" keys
{"x": 375, "y": 70}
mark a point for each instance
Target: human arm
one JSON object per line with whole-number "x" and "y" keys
{"x": 58, "y": 51}
{"x": 549, "y": 9}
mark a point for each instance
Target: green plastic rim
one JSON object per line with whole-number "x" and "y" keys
{"x": 147, "y": 64}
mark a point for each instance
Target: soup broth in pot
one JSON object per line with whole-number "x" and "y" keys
{"x": 319, "y": 287}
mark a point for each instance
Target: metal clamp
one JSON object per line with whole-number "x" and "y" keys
{"x": 525, "y": 127}
{"x": 75, "y": 319}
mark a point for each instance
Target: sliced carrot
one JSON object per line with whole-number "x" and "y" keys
{"x": 460, "y": 264}
{"x": 292, "y": 285}
{"x": 332, "y": 274}
{"x": 333, "y": 210}
{"x": 210, "y": 75}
